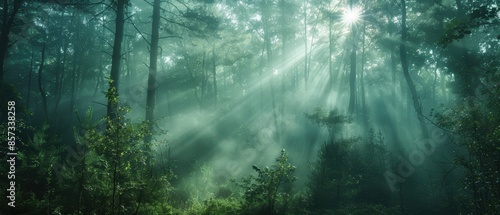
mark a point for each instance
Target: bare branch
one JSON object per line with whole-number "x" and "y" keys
{"x": 99, "y": 14}
{"x": 172, "y": 36}
{"x": 137, "y": 29}
{"x": 80, "y": 3}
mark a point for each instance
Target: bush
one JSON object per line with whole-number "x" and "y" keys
{"x": 269, "y": 192}
{"x": 227, "y": 206}
{"x": 332, "y": 181}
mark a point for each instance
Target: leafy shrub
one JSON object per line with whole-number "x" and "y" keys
{"x": 332, "y": 181}
{"x": 215, "y": 206}
{"x": 332, "y": 120}
{"x": 269, "y": 192}
{"x": 362, "y": 209}
{"x": 115, "y": 173}
{"x": 475, "y": 126}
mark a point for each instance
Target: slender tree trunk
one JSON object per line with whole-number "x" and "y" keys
{"x": 40, "y": 85}
{"x": 214, "y": 76}
{"x": 75, "y": 67}
{"x": 352, "y": 75}
{"x": 153, "y": 65}
{"x": 352, "y": 82}
{"x": 401, "y": 203}
{"x": 409, "y": 81}
{"x": 305, "y": 45}
{"x": 59, "y": 66}
{"x": 116, "y": 164}
{"x": 112, "y": 94}
{"x": 284, "y": 50}
{"x": 8, "y": 21}
{"x": 267, "y": 44}
{"x": 73, "y": 83}
{"x": 393, "y": 75}
{"x": 100, "y": 63}
{"x": 469, "y": 81}
{"x": 434, "y": 83}
{"x": 330, "y": 51}
{"x": 29, "y": 81}
{"x": 127, "y": 83}
{"x": 261, "y": 82}
{"x": 115, "y": 60}
{"x": 362, "y": 83}
{"x": 204, "y": 80}
{"x": 190, "y": 71}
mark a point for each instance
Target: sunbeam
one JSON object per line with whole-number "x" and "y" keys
{"x": 351, "y": 16}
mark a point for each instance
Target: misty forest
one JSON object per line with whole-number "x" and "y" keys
{"x": 259, "y": 107}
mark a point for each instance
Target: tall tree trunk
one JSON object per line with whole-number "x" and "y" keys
{"x": 261, "y": 77}
{"x": 73, "y": 82}
{"x": 267, "y": 44}
{"x": 204, "y": 80}
{"x": 112, "y": 94}
{"x": 362, "y": 83}
{"x": 115, "y": 61}
{"x": 40, "y": 85}
{"x": 29, "y": 81}
{"x": 330, "y": 51}
{"x": 305, "y": 45}
{"x": 8, "y": 21}
{"x": 393, "y": 75}
{"x": 352, "y": 75}
{"x": 127, "y": 83}
{"x": 469, "y": 80}
{"x": 190, "y": 71}
{"x": 60, "y": 60}
{"x": 409, "y": 81}
{"x": 434, "y": 83}
{"x": 100, "y": 64}
{"x": 75, "y": 67}
{"x": 284, "y": 50}
{"x": 214, "y": 76}
{"x": 352, "y": 82}
{"x": 153, "y": 65}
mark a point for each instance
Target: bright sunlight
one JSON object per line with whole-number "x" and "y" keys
{"x": 351, "y": 16}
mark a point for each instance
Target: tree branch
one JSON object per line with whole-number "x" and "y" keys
{"x": 135, "y": 27}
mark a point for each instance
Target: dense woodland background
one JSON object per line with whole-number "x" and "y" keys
{"x": 252, "y": 106}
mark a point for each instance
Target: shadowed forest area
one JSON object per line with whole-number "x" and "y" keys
{"x": 258, "y": 107}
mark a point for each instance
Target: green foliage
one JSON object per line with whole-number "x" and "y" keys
{"x": 114, "y": 171}
{"x": 200, "y": 185}
{"x": 475, "y": 124}
{"x": 269, "y": 192}
{"x": 37, "y": 159}
{"x": 362, "y": 209}
{"x": 218, "y": 206}
{"x": 332, "y": 120}
{"x": 346, "y": 172}
{"x": 332, "y": 181}
{"x": 482, "y": 16}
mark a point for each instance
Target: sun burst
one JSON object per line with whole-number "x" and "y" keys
{"x": 351, "y": 16}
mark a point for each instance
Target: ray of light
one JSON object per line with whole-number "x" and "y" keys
{"x": 351, "y": 16}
